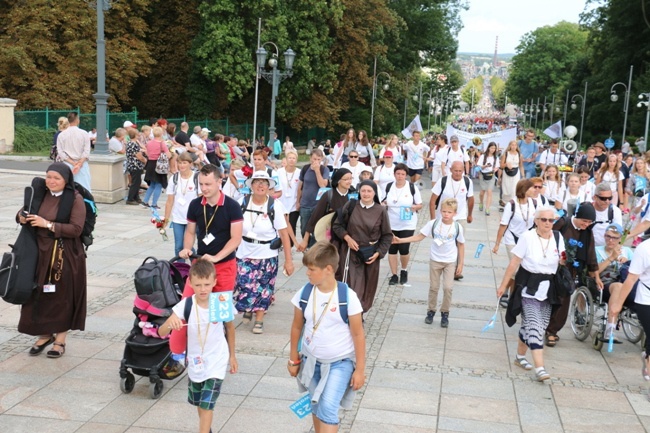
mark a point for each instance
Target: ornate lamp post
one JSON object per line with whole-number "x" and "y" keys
{"x": 626, "y": 102}
{"x": 582, "y": 109}
{"x": 101, "y": 97}
{"x": 375, "y": 78}
{"x": 641, "y": 103}
{"x": 275, "y": 77}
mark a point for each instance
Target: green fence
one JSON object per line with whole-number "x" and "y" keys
{"x": 48, "y": 119}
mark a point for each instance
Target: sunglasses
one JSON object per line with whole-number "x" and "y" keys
{"x": 546, "y": 220}
{"x": 601, "y": 198}
{"x": 611, "y": 238}
{"x": 353, "y": 156}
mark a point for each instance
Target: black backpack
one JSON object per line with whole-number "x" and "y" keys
{"x": 159, "y": 283}
{"x": 270, "y": 207}
{"x": 411, "y": 187}
{"x": 443, "y": 184}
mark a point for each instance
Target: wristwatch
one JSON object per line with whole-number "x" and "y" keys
{"x": 49, "y": 225}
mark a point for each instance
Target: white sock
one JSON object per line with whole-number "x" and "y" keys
{"x": 538, "y": 369}
{"x": 520, "y": 357}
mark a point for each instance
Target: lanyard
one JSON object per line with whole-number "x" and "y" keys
{"x": 205, "y": 218}
{"x": 198, "y": 329}
{"x": 327, "y": 307}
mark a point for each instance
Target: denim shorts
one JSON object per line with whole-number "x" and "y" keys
{"x": 338, "y": 381}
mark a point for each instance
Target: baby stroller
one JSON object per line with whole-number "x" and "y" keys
{"x": 158, "y": 286}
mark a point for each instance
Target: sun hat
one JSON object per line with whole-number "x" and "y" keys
{"x": 261, "y": 174}
{"x": 129, "y": 124}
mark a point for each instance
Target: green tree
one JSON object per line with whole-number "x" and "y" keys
{"x": 471, "y": 93}
{"x": 545, "y": 60}
{"x": 498, "y": 90}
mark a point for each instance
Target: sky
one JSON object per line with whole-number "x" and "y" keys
{"x": 510, "y": 20}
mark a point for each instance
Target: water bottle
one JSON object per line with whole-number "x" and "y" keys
{"x": 610, "y": 344}
{"x": 479, "y": 249}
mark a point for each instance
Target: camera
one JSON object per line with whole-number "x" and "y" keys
{"x": 24, "y": 213}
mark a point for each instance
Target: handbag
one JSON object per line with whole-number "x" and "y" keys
{"x": 511, "y": 171}
{"x": 487, "y": 176}
{"x": 162, "y": 163}
{"x": 365, "y": 253}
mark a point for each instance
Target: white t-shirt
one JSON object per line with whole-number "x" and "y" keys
{"x": 455, "y": 155}
{"x": 415, "y": 155}
{"x": 588, "y": 189}
{"x": 530, "y": 249}
{"x": 599, "y": 228}
{"x": 489, "y": 160}
{"x": 115, "y": 145}
{"x": 457, "y": 190}
{"x": 258, "y": 226}
{"x": 333, "y": 338}
{"x": 215, "y": 353}
{"x": 184, "y": 192}
{"x": 610, "y": 178}
{"x": 397, "y": 153}
{"x": 443, "y": 247}
{"x": 553, "y": 190}
{"x": 439, "y": 156}
{"x": 640, "y": 265}
{"x": 289, "y": 185}
{"x": 581, "y": 197}
{"x": 523, "y": 219}
{"x": 383, "y": 176}
{"x": 547, "y": 157}
{"x": 356, "y": 171}
{"x": 395, "y": 199}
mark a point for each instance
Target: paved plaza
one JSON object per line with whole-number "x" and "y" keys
{"x": 421, "y": 378}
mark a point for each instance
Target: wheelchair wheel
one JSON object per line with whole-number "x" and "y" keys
{"x": 598, "y": 342}
{"x": 581, "y": 313}
{"x": 631, "y": 326}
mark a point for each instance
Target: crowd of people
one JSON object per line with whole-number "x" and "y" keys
{"x": 238, "y": 208}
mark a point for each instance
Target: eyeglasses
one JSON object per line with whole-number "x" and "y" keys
{"x": 601, "y": 198}
{"x": 538, "y": 187}
{"x": 612, "y": 238}
{"x": 353, "y": 156}
{"x": 546, "y": 220}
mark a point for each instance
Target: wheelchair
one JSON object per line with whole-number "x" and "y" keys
{"x": 584, "y": 311}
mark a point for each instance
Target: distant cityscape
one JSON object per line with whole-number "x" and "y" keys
{"x": 475, "y": 64}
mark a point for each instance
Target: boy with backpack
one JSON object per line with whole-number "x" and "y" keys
{"x": 446, "y": 257}
{"x": 328, "y": 346}
{"x": 209, "y": 348}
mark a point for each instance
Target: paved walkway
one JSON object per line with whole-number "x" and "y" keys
{"x": 421, "y": 378}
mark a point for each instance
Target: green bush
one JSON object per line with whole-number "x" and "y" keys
{"x": 30, "y": 139}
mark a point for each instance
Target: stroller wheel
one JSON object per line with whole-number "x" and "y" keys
{"x": 155, "y": 389}
{"x": 127, "y": 383}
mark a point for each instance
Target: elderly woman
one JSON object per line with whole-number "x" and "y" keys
{"x": 265, "y": 229}
{"x": 402, "y": 200}
{"x": 59, "y": 302}
{"x": 364, "y": 227}
{"x": 518, "y": 217}
{"x": 537, "y": 255}
{"x": 289, "y": 177}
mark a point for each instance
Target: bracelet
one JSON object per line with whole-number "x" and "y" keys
{"x": 294, "y": 363}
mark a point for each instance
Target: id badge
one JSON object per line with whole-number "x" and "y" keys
{"x": 438, "y": 242}
{"x": 196, "y": 364}
{"x": 208, "y": 238}
{"x": 49, "y": 288}
{"x": 251, "y": 234}
{"x": 353, "y": 196}
{"x": 309, "y": 341}
{"x": 181, "y": 201}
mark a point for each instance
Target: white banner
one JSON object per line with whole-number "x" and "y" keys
{"x": 412, "y": 127}
{"x": 555, "y": 130}
{"x": 501, "y": 138}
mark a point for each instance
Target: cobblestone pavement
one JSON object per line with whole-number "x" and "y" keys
{"x": 421, "y": 378}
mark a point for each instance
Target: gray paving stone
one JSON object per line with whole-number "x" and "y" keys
{"x": 588, "y": 420}
{"x": 477, "y": 387}
{"x": 470, "y": 426}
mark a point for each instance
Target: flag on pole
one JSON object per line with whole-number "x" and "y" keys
{"x": 555, "y": 130}
{"x": 415, "y": 125}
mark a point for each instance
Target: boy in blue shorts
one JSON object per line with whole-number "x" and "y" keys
{"x": 209, "y": 350}
{"x": 332, "y": 361}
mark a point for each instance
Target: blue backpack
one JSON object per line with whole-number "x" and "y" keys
{"x": 343, "y": 299}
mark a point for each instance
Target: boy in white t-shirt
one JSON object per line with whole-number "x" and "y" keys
{"x": 332, "y": 360}
{"x": 209, "y": 349}
{"x": 446, "y": 258}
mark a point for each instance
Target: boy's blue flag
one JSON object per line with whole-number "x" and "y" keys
{"x": 302, "y": 406}
{"x": 220, "y": 307}
{"x": 490, "y": 324}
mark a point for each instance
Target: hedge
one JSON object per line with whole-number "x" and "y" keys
{"x": 29, "y": 139}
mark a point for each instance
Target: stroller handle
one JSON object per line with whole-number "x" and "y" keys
{"x": 177, "y": 258}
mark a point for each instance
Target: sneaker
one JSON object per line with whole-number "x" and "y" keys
{"x": 444, "y": 321}
{"x": 487, "y": 213}
{"x": 503, "y": 301}
{"x": 480, "y": 207}
{"x": 144, "y": 205}
{"x": 429, "y": 319}
{"x": 155, "y": 206}
{"x": 393, "y": 280}
{"x": 403, "y": 277}
{"x": 132, "y": 202}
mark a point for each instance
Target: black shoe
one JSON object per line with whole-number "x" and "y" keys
{"x": 132, "y": 202}
{"x": 393, "y": 280}
{"x": 38, "y": 348}
{"x": 444, "y": 321}
{"x": 429, "y": 319}
{"x": 458, "y": 277}
{"x": 403, "y": 277}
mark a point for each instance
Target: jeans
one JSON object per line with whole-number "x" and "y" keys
{"x": 134, "y": 188}
{"x": 529, "y": 169}
{"x": 338, "y": 381}
{"x": 179, "y": 234}
{"x": 155, "y": 188}
{"x": 305, "y": 214}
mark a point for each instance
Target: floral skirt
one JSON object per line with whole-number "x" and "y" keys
{"x": 255, "y": 283}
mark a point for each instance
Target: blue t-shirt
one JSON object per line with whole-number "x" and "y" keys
{"x": 228, "y": 212}
{"x": 310, "y": 185}
{"x": 527, "y": 150}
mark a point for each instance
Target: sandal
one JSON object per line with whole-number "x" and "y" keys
{"x": 551, "y": 340}
{"x": 38, "y": 348}
{"x": 542, "y": 375}
{"x": 523, "y": 363}
{"x": 644, "y": 367}
{"x": 258, "y": 328}
{"x": 56, "y": 353}
{"x": 248, "y": 315}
